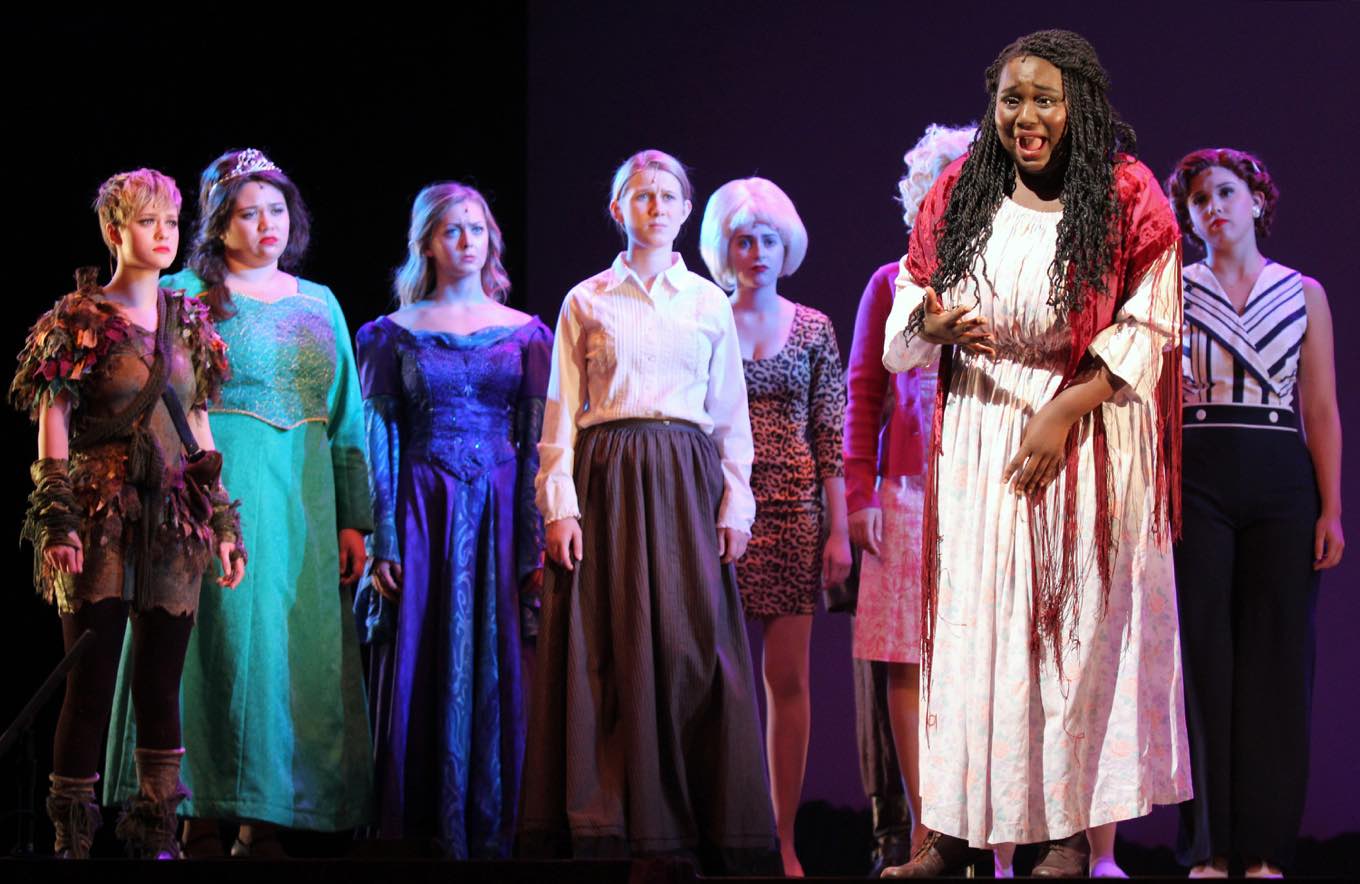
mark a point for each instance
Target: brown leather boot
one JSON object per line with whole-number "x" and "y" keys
{"x": 147, "y": 824}
{"x": 938, "y": 856}
{"x": 1066, "y": 858}
{"x": 74, "y": 812}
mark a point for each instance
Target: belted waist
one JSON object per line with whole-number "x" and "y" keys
{"x": 1233, "y": 414}
{"x": 656, "y": 423}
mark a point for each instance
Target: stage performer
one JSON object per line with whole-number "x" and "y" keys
{"x": 274, "y": 711}
{"x": 643, "y": 732}
{"x": 887, "y": 424}
{"x": 128, "y": 508}
{"x": 1047, "y": 264}
{"x": 751, "y": 236}
{"x": 1262, "y": 516}
{"x": 453, "y": 385}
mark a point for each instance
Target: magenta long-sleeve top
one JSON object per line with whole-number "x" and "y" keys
{"x": 882, "y": 444}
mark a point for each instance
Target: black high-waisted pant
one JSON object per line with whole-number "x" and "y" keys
{"x": 1247, "y": 592}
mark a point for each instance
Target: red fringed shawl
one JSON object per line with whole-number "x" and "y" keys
{"x": 1146, "y": 229}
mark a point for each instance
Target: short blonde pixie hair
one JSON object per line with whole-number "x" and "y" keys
{"x": 126, "y": 194}
{"x": 738, "y": 204}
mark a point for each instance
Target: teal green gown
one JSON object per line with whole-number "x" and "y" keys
{"x": 273, "y": 703}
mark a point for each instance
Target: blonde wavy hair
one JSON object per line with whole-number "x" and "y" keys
{"x": 940, "y": 146}
{"x": 415, "y": 279}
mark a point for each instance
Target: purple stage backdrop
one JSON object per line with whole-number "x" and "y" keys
{"x": 537, "y": 103}
{"x": 824, "y": 99}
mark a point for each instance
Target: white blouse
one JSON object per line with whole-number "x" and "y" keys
{"x": 622, "y": 352}
{"x": 1141, "y": 322}
{"x": 1247, "y": 358}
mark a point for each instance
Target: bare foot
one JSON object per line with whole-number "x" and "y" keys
{"x": 1106, "y": 867}
{"x": 260, "y": 840}
{"x": 792, "y": 867}
{"x": 1263, "y": 869}
{"x": 201, "y": 839}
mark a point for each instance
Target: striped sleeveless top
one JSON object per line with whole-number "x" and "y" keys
{"x": 1250, "y": 358}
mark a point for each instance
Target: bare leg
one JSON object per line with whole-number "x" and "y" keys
{"x": 1101, "y": 839}
{"x": 259, "y": 840}
{"x": 201, "y": 838}
{"x": 788, "y": 723}
{"x": 1003, "y": 859}
{"x": 903, "y": 711}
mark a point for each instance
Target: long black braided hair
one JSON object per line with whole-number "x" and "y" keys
{"x": 1094, "y": 135}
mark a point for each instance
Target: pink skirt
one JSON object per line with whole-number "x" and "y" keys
{"x": 888, "y": 613}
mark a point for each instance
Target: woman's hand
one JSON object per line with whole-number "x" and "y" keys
{"x": 1328, "y": 542}
{"x": 1041, "y": 455}
{"x": 940, "y": 326}
{"x": 836, "y": 558}
{"x": 731, "y": 544}
{"x": 352, "y": 556}
{"x": 233, "y": 566}
{"x": 387, "y": 578}
{"x": 563, "y": 541}
{"x": 866, "y": 529}
{"x": 66, "y": 559}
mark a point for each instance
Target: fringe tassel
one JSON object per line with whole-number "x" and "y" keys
{"x": 1054, "y": 570}
{"x": 930, "y": 523}
{"x": 1166, "y": 515}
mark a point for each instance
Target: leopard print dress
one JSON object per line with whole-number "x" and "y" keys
{"x": 797, "y": 404}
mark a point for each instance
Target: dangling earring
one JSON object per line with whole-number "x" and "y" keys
{"x": 1256, "y": 211}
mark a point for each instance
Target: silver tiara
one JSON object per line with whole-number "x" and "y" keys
{"x": 248, "y": 162}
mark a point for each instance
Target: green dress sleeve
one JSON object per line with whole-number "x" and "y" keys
{"x": 345, "y": 428}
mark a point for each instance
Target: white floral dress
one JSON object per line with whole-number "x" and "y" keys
{"x": 1008, "y": 753}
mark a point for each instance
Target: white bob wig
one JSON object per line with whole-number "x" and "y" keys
{"x": 738, "y": 204}
{"x": 940, "y": 146}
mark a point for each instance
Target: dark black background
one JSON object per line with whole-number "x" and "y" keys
{"x": 536, "y": 103}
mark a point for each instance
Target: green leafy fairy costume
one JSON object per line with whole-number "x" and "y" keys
{"x": 146, "y": 531}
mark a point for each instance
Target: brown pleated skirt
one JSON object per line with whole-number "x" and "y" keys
{"x": 643, "y": 733}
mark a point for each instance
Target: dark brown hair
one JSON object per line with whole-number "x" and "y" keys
{"x": 216, "y": 202}
{"x": 1242, "y": 164}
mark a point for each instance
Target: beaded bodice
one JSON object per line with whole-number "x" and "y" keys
{"x": 460, "y": 395}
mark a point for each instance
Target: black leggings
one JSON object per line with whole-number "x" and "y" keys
{"x": 159, "y": 642}
{"x": 878, "y": 770}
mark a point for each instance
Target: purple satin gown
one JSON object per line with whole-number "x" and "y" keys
{"x": 453, "y": 422}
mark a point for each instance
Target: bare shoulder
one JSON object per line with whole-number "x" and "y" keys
{"x": 1315, "y": 300}
{"x": 405, "y": 317}
{"x": 510, "y": 316}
